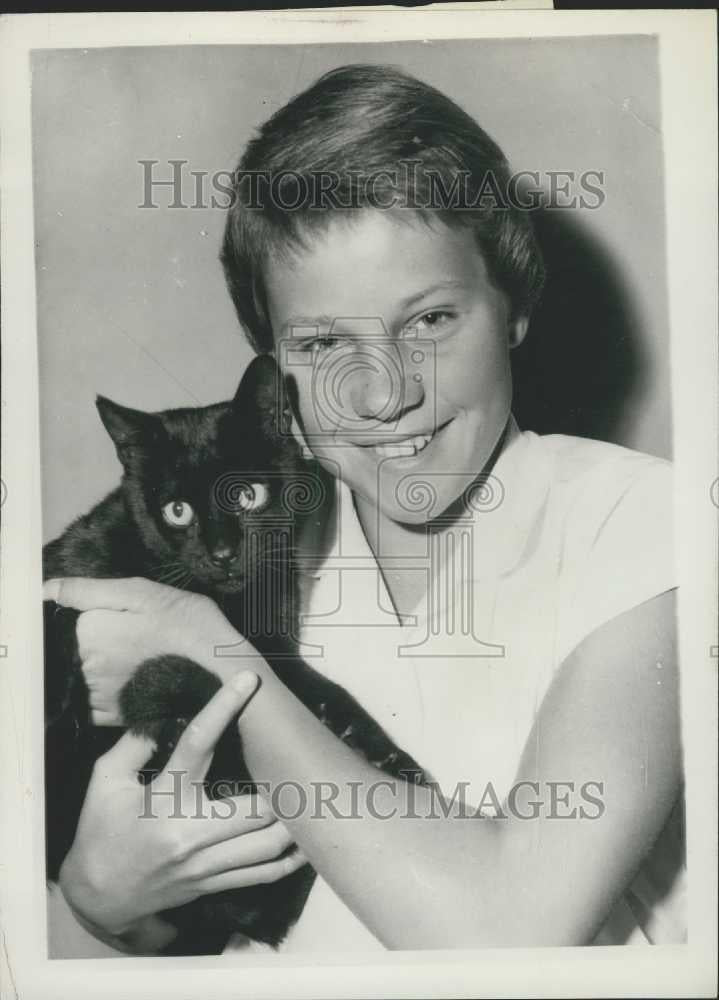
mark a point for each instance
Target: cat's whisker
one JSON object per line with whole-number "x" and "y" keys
{"x": 168, "y": 572}
{"x": 171, "y": 574}
{"x": 166, "y": 565}
{"x": 178, "y": 577}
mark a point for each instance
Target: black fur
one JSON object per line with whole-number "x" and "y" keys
{"x": 188, "y": 455}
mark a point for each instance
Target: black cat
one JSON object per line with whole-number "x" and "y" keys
{"x": 211, "y": 500}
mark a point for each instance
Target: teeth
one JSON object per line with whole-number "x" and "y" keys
{"x": 403, "y": 449}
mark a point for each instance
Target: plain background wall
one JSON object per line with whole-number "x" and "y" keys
{"x": 132, "y": 303}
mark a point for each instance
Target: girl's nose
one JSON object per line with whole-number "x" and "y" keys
{"x": 379, "y": 385}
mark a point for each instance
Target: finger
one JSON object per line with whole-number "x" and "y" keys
{"x": 255, "y": 847}
{"x": 247, "y": 811}
{"x": 90, "y": 665}
{"x": 193, "y": 752}
{"x": 126, "y": 757}
{"x": 227, "y": 818}
{"x": 87, "y": 593}
{"x": 239, "y": 878}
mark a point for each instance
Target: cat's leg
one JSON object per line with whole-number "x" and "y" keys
{"x": 346, "y": 718}
{"x": 358, "y": 730}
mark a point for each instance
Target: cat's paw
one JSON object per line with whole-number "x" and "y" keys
{"x": 399, "y": 764}
{"x": 165, "y": 733}
{"x": 163, "y": 690}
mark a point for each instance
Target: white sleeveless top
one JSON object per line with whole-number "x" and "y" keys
{"x": 567, "y": 534}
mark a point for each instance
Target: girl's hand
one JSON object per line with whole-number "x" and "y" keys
{"x": 141, "y": 849}
{"x": 124, "y": 622}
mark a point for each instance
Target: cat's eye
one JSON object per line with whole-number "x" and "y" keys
{"x": 252, "y": 497}
{"x": 178, "y": 513}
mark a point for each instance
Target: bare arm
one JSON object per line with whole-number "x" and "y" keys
{"x": 610, "y": 717}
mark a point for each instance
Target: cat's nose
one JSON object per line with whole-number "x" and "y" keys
{"x": 222, "y": 556}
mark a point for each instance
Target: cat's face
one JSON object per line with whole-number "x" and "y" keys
{"x": 211, "y": 489}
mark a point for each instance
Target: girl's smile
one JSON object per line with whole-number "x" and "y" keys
{"x": 398, "y": 344}
{"x": 403, "y": 449}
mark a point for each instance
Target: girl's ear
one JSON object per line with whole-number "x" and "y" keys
{"x": 518, "y": 331}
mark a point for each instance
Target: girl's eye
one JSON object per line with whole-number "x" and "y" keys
{"x": 252, "y": 497}
{"x": 321, "y": 344}
{"x": 434, "y": 321}
{"x": 178, "y": 513}
{"x": 435, "y": 318}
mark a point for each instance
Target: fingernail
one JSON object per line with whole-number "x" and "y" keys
{"x": 244, "y": 682}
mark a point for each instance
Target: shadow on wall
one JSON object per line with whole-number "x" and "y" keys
{"x": 579, "y": 370}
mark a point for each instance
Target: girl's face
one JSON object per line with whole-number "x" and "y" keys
{"x": 398, "y": 345}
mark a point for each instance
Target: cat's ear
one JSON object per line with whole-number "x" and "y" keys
{"x": 262, "y": 396}
{"x": 129, "y": 429}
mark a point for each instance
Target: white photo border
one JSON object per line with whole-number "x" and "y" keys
{"x": 687, "y": 45}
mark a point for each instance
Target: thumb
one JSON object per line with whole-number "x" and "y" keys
{"x": 195, "y": 747}
{"x": 131, "y": 752}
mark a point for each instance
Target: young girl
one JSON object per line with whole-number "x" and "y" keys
{"x": 502, "y": 603}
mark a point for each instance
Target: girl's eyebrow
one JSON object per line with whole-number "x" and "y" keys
{"x": 441, "y": 286}
{"x": 302, "y": 325}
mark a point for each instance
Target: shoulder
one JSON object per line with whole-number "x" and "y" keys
{"x": 613, "y": 513}
{"x": 604, "y": 489}
{"x": 584, "y": 463}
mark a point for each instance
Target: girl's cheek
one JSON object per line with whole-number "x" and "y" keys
{"x": 306, "y": 404}
{"x": 478, "y": 375}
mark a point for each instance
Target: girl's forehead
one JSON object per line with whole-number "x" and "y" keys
{"x": 369, "y": 232}
{"x": 381, "y": 256}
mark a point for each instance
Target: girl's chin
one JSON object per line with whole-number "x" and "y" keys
{"x": 420, "y": 505}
